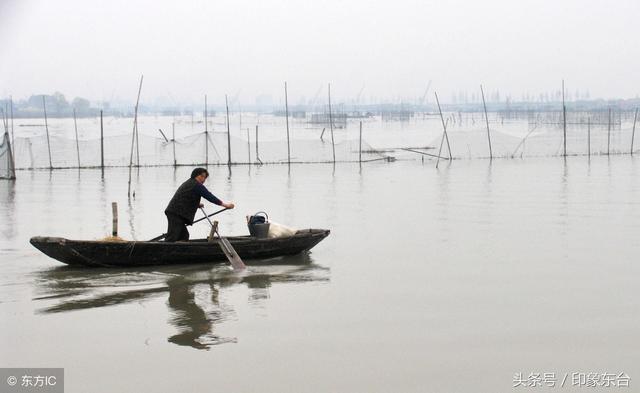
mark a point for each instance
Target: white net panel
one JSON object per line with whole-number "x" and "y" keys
{"x": 410, "y": 137}
{"x": 7, "y": 170}
{"x": 516, "y": 138}
{"x": 62, "y": 150}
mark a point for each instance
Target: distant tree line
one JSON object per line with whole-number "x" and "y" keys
{"x": 56, "y": 105}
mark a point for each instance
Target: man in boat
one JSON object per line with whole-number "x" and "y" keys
{"x": 185, "y": 203}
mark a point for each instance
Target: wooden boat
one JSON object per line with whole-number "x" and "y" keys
{"x": 144, "y": 253}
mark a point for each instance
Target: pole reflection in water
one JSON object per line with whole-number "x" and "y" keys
{"x": 193, "y": 291}
{"x": 7, "y": 205}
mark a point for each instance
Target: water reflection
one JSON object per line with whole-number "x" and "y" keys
{"x": 195, "y": 326}
{"x": 7, "y": 207}
{"x": 193, "y": 292}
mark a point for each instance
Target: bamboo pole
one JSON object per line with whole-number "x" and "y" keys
{"x": 446, "y": 136}
{"x": 11, "y": 159}
{"x": 173, "y": 136}
{"x": 257, "y": 153}
{"x": 248, "y": 147}
{"x": 286, "y": 111}
{"x": 633, "y": 133}
{"x": 486, "y": 117}
{"x": 206, "y": 134}
{"x": 135, "y": 123}
{"x": 609, "y": 132}
{"x": 360, "y": 145}
{"x": 444, "y": 133}
{"x": 75, "y": 125}
{"x": 226, "y": 101}
{"x": 5, "y": 120}
{"x": 46, "y": 126}
{"x": 137, "y": 143}
{"x": 13, "y": 137}
{"x": 114, "y": 222}
{"x": 9, "y": 138}
{"x": 589, "y": 136}
{"x": 564, "y": 123}
{"x": 422, "y": 153}
{"x": 11, "y": 166}
{"x": 333, "y": 146}
{"x": 101, "y": 142}
{"x": 163, "y": 135}
{"x": 133, "y": 137}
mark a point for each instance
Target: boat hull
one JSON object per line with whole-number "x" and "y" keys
{"x": 144, "y": 253}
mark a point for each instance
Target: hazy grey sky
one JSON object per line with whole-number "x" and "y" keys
{"x": 98, "y": 49}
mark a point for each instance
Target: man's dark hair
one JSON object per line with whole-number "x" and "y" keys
{"x": 199, "y": 171}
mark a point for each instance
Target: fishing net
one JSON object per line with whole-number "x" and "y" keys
{"x": 268, "y": 145}
{"x": 7, "y": 169}
{"x": 262, "y": 138}
{"x": 538, "y": 137}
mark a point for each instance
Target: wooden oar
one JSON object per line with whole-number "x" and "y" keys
{"x": 198, "y": 220}
{"x": 227, "y": 248}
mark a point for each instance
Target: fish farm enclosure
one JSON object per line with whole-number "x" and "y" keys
{"x": 252, "y": 138}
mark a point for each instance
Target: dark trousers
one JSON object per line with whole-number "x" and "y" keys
{"x": 176, "y": 229}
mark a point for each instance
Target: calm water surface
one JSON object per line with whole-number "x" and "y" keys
{"x": 448, "y": 280}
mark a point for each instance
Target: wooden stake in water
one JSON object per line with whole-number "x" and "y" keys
{"x": 114, "y": 222}
{"x": 101, "y": 142}
{"x": 226, "y": 101}
{"x": 633, "y": 133}
{"x": 75, "y": 124}
{"x": 286, "y": 112}
{"x": 46, "y": 127}
{"x": 609, "y": 132}
{"x": 206, "y": 133}
{"x": 564, "y": 123}
{"x": 173, "y": 139}
{"x": 360, "y": 145}
{"x": 134, "y": 134}
{"x": 486, "y": 118}
{"x": 333, "y": 145}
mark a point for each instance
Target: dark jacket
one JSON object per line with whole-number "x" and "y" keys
{"x": 186, "y": 200}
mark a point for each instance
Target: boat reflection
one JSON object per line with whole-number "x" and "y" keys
{"x": 193, "y": 291}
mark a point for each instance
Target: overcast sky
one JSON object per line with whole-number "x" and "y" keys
{"x": 98, "y": 49}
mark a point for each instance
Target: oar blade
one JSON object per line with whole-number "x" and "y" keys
{"x": 231, "y": 254}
